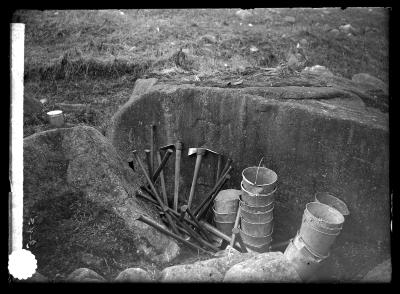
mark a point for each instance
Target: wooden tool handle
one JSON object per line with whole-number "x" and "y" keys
{"x": 148, "y": 161}
{"x": 152, "y": 145}
{"x": 178, "y": 155}
{"x": 162, "y": 164}
{"x": 219, "y": 163}
{"x": 162, "y": 180}
{"x": 235, "y": 226}
{"x": 195, "y": 175}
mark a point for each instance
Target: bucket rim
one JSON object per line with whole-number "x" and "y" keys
{"x": 330, "y": 209}
{"x": 259, "y": 213}
{"x": 342, "y": 204}
{"x": 269, "y": 235}
{"x": 222, "y": 213}
{"x": 257, "y": 195}
{"x": 223, "y": 222}
{"x": 274, "y": 174}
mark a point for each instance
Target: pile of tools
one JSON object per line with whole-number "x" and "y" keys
{"x": 187, "y": 225}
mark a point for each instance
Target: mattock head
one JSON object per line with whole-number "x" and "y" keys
{"x": 200, "y": 151}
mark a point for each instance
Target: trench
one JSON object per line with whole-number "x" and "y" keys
{"x": 312, "y": 148}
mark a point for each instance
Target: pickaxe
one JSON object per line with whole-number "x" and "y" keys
{"x": 178, "y": 146}
{"x": 200, "y": 152}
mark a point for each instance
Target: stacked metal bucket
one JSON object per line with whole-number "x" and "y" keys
{"x": 258, "y": 187}
{"x": 322, "y": 222}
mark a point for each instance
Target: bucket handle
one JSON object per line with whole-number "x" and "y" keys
{"x": 255, "y": 182}
{"x": 259, "y": 195}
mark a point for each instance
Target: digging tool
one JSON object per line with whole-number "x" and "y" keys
{"x": 227, "y": 165}
{"x": 154, "y": 190}
{"x": 199, "y": 226}
{"x": 155, "y": 225}
{"x": 218, "y": 167}
{"x": 148, "y": 161}
{"x": 152, "y": 145}
{"x": 193, "y": 234}
{"x": 236, "y": 233}
{"x": 200, "y": 152}
{"x": 216, "y": 187}
{"x": 162, "y": 165}
{"x": 206, "y": 208}
{"x": 178, "y": 146}
{"x": 213, "y": 230}
{"x": 149, "y": 198}
{"x": 162, "y": 180}
{"x": 235, "y": 226}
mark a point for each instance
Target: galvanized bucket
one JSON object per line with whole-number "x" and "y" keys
{"x": 256, "y": 199}
{"x": 255, "y": 241}
{"x": 225, "y": 217}
{"x": 305, "y": 264}
{"x": 225, "y": 227}
{"x": 257, "y": 217}
{"x": 258, "y": 249}
{"x": 250, "y": 208}
{"x": 329, "y": 199}
{"x": 323, "y": 216}
{"x": 56, "y": 118}
{"x": 259, "y": 180}
{"x": 227, "y": 201}
{"x": 257, "y": 229}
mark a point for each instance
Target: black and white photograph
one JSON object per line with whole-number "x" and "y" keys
{"x": 218, "y": 145}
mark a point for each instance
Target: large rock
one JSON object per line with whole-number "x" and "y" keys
{"x": 316, "y": 132}
{"x": 133, "y": 275}
{"x": 382, "y": 273}
{"x": 365, "y": 79}
{"x": 84, "y": 275}
{"x": 68, "y": 160}
{"x": 270, "y": 267}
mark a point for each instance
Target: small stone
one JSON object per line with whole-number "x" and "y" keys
{"x": 371, "y": 81}
{"x": 318, "y": 69}
{"x": 334, "y": 32}
{"x": 326, "y": 28}
{"x": 243, "y": 14}
{"x": 289, "y": 19}
{"x": 133, "y": 275}
{"x": 84, "y": 275}
{"x": 265, "y": 267}
{"x": 209, "y": 38}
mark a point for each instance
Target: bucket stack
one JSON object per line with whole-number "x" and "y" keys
{"x": 258, "y": 187}
{"x": 321, "y": 224}
{"x": 226, "y": 205}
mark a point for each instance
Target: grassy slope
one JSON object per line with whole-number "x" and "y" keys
{"x": 95, "y": 56}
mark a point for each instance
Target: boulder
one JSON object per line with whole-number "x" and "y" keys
{"x": 191, "y": 273}
{"x": 133, "y": 275}
{"x": 365, "y": 79}
{"x": 382, "y": 273}
{"x": 270, "y": 267}
{"x": 84, "y": 275}
{"x": 82, "y": 160}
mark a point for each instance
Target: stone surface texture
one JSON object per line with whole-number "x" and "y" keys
{"x": 82, "y": 159}
{"x": 84, "y": 275}
{"x": 382, "y": 273}
{"x": 270, "y": 267}
{"x": 133, "y": 275}
{"x": 317, "y": 132}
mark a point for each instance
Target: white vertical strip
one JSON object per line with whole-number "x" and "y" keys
{"x": 17, "y": 104}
